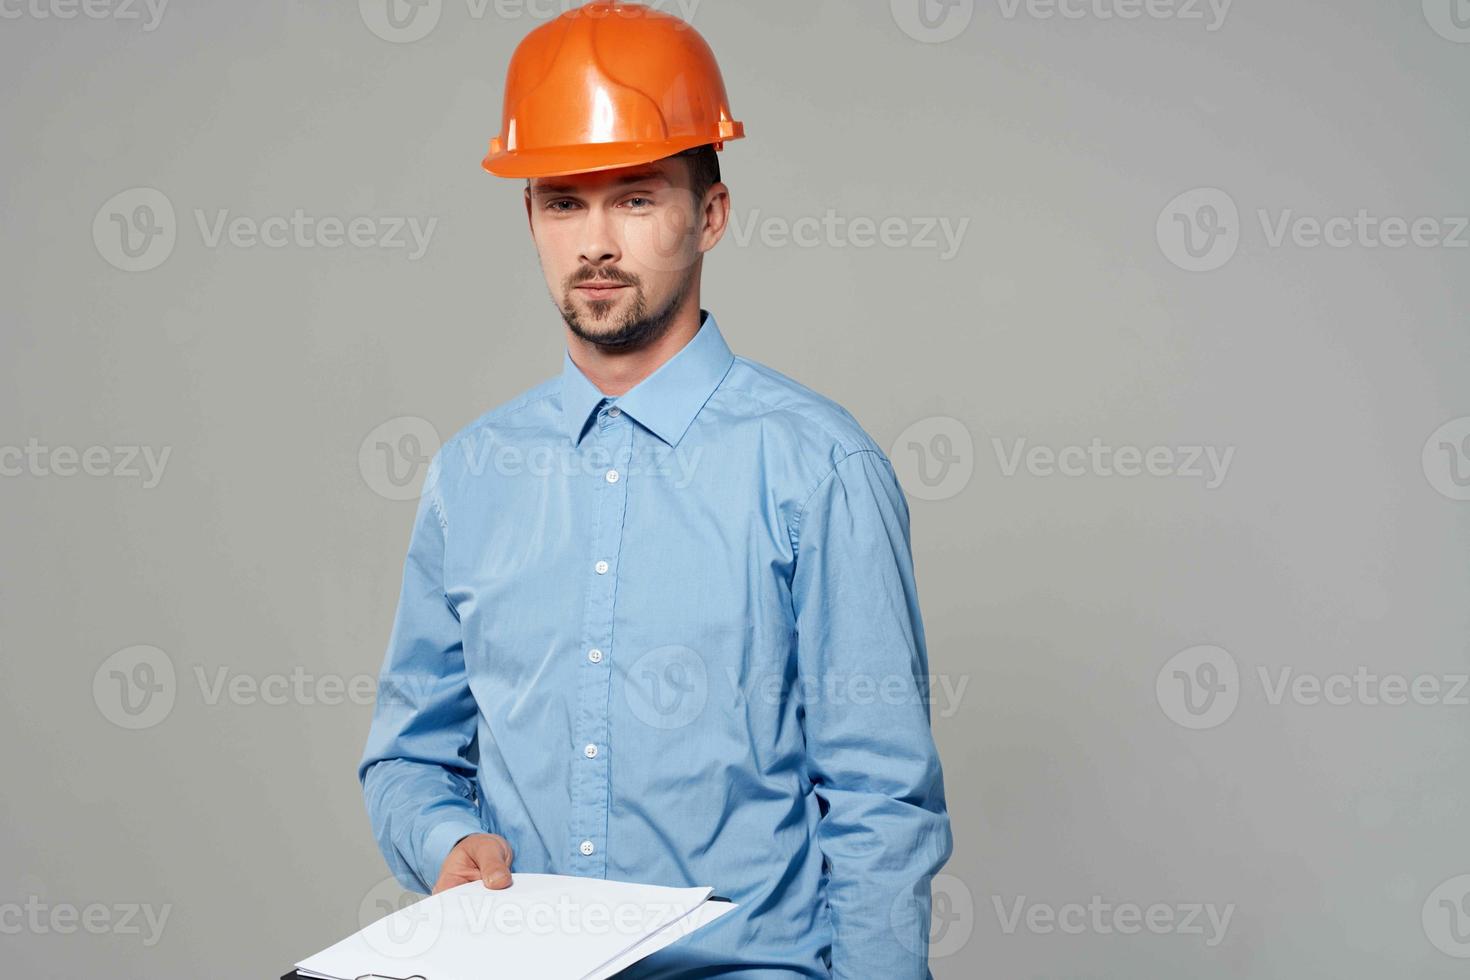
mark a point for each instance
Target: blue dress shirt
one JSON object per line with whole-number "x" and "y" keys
{"x": 673, "y": 637}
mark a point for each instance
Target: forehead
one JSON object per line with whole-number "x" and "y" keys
{"x": 658, "y": 172}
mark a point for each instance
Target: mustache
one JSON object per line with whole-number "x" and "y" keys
{"x": 602, "y": 275}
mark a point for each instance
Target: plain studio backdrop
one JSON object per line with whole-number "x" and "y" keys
{"x": 1159, "y": 309}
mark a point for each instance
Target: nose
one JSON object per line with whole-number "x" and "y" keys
{"x": 599, "y": 243}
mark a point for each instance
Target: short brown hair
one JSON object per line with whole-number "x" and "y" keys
{"x": 704, "y": 168}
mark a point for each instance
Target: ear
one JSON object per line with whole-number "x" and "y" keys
{"x": 529, "y": 223}
{"x": 716, "y": 217}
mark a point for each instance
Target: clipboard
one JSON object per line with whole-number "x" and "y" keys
{"x": 295, "y": 975}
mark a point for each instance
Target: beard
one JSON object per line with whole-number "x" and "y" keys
{"x": 636, "y": 327}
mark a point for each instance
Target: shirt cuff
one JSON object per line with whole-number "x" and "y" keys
{"x": 439, "y": 841}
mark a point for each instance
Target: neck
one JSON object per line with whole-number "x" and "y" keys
{"x": 614, "y": 372}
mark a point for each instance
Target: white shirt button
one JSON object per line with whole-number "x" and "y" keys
{"x": 586, "y": 847}
{"x": 614, "y": 411}
{"x": 612, "y": 476}
{"x": 601, "y": 567}
{"x": 595, "y": 656}
{"x": 590, "y": 751}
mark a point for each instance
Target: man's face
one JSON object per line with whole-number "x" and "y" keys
{"x": 620, "y": 249}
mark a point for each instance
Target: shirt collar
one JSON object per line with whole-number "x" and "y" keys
{"x": 666, "y": 401}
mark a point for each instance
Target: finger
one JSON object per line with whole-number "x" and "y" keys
{"x": 493, "y": 858}
{"x": 492, "y": 849}
{"x": 495, "y": 875}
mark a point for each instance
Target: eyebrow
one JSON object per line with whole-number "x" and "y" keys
{"x": 637, "y": 177}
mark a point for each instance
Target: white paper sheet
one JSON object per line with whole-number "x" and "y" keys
{"x": 704, "y": 914}
{"x": 553, "y": 927}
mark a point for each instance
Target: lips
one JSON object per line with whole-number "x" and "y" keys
{"x": 601, "y": 289}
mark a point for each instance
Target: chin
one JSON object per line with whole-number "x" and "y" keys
{"x": 601, "y": 309}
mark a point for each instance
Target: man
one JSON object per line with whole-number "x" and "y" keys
{"x": 658, "y": 619}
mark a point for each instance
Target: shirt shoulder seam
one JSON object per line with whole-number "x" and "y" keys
{"x": 801, "y": 511}
{"x": 831, "y": 433}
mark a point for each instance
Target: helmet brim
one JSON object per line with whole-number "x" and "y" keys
{"x": 559, "y": 161}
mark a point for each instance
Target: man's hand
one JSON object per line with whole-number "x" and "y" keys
{"x": 479, "y": 857}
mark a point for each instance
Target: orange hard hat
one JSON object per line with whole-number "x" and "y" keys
{"x": 606, "y": 85}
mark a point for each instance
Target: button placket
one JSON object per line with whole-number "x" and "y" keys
{"x": 606, "y": 445}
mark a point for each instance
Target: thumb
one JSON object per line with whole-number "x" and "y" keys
{"x": 493, "y": 857}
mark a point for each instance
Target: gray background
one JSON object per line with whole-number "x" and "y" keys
{"x": 1332, "y": 832}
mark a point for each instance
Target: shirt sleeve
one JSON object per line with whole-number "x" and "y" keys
{"x": 864, "y": 690}
{"x": 418, "y": 768}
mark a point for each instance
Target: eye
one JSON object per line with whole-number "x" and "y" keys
{"x": 555, "y": 205}
{"x": 639, "y": 203}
